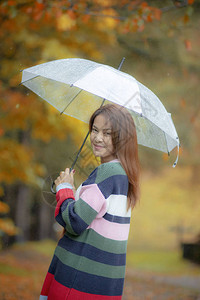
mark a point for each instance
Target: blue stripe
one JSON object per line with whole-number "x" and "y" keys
{"x": 91, "y": 179}
{"x": 59, "y": 219}
{"x": 85, "y": 282}
{"x": 77, "y": 224}
{"x": 65, "y": 203}
{"x": 92, "y": 252}
{"x": 117, "y": 219}
{"x": 115, "y": 185}
{"x": 53, "y": 265}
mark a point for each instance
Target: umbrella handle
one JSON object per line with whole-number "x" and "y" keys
{"x": 52, "y": 188}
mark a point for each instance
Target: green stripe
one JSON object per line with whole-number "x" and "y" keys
{"x": 65, "y": 216}
{"x": 92, "y": 238}
{"x": 89, "y": 266}
{"x": 85, "y": 211}
{"x": 107, "y": 170}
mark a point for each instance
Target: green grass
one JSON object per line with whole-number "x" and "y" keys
{"x": 6, "y": 269}
{"x": 45, "y": 247}
{"x": 167, "y": 262}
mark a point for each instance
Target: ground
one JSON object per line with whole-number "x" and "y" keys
{"x": 23, "y": 268}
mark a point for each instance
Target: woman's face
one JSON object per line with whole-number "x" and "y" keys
{"x": 101, "y": 139}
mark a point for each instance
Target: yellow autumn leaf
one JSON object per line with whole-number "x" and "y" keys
{"x": 64, "y": 22}
{"x": 1, "y": 191}
{"x": 15, "y": 161}
{"x": 7, "y": 226}
{"x": 4, "y": 208}
{"x": 108, "y": 19}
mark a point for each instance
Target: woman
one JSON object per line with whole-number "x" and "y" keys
{"x": 89, "y": 261}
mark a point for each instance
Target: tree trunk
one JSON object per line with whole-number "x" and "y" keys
{"x": 46, "y": 228}
{"x": 22, "y": 216}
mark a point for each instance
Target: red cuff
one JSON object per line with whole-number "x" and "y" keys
{"x": 61, "y": 196}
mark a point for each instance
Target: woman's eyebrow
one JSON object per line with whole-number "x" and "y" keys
{"x": 94, "y": 126}
{"x": 107, "y": 129}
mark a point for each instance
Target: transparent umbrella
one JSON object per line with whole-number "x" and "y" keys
{"x": 76, "y": 87}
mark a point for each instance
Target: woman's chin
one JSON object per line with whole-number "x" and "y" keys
{"x": 97, "y": 153}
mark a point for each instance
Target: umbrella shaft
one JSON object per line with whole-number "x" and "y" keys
{"x": 77, "y": 156}
{"x": 121, "y": 63}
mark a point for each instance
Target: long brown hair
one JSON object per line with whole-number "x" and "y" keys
{"x": 125, "y": 145}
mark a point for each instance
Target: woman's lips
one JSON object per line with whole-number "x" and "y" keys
{"x": 98, "y": 147}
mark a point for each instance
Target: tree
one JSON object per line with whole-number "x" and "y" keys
{"x": 33, "y": 32}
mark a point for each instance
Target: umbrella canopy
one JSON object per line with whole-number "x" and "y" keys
{"x": 76, "y": 87}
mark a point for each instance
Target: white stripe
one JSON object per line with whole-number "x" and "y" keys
{"x": 78, "y": 192}
{"x": 64, "y": 185}
{"x": 117, "y": 206}
{"x": 43, "y": 297}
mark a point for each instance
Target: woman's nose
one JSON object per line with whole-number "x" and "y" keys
{"x": 99, "y": 136}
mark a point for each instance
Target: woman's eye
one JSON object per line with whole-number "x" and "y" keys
{"x": 107, "y": 133}
{"x": 94, "y": 130}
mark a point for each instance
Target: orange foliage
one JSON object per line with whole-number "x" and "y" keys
{"x": 157, "y": 14}
{"x": 12, "y": 2}
{"x": 16, "y": 162}
{"x": 183, "y": 103}
{"x": 165, "y": 156}
{"x": 23, "y": 287}
{"x": 7, "y": 226}
{"x": 26, "y": 116}
{"x": 144, "y": 5}
{"x": 186, "y": 19}
{"x": 188, "y": 45}
{"x": 4, "y": 208}
{"x": 80, "y": 10}
{"x": 1, "y": 131}
{"x": 65, "y": 22}
{"x": 22, "y": 273}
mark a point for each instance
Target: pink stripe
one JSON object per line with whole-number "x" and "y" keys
{"x": 110, "y": 230}
{"x": 93, "y": 197}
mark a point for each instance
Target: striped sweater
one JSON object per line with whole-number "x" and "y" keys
{"x": 89, "y": 261}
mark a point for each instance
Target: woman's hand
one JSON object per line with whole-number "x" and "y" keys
{"x": 65, "y": 176}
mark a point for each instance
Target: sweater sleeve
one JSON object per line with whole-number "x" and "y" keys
{"x": 76, "y": 216}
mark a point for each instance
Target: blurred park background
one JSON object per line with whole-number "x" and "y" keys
{"x": 160, "y": 42}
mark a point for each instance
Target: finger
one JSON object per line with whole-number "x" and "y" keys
{"x": 72, "y": 173}
{"x": 67, "y": 171}
{"x": 57, "y": 178}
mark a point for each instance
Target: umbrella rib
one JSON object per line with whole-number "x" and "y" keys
{"x": 70, "y": 102}
{"x": 29, "y": 79}
{"x": 166, "y": 144}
